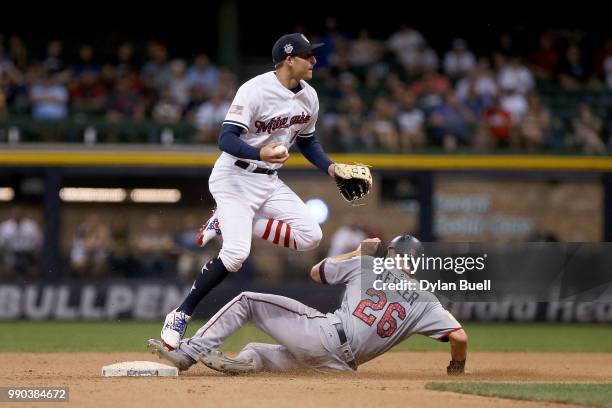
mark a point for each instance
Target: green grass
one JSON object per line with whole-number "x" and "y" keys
{"x": 100, "y": 336}
{"x": 541, "y": 337}
{"x": 132, "y": 336}
{"x": 599, "y": 395}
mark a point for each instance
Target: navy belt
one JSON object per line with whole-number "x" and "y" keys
{"x": 344, "y": 340}
{"x": 249, "y": 167}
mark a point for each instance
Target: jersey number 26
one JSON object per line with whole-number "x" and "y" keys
{"x": 388, "y": 323}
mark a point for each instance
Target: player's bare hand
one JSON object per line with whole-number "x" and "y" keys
{"x": 269, "y": 155}
{"x": 369, "y": 246}
{"x": 375, "y": 239}
{"x": 369, "y": 240}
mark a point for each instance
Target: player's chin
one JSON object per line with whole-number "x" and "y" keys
{"x": 308, "y": 74}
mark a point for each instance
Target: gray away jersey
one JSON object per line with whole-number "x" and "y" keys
{"x": 375, "y": 321}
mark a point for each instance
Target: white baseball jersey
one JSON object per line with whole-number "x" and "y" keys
{"x": 258, "y": 204}
{"x": 271, "y": 113}
{"x": 373, "y": 321}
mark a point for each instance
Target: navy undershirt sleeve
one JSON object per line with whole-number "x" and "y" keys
{"x": 230, "y": 142}
{"x": 313, "y": 151}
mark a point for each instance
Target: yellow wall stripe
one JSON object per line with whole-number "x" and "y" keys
{"x": 416, "y": 162}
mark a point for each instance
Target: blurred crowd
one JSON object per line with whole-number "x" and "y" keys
{"x": 127, "y": 88}
{"x": 395, "y": 94}
{"x": 399, "y": 94}
{"x": 101, "y": 248}
{"x": 21, "y": 241}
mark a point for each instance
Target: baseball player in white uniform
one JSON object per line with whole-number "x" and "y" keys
{"x": 365, "y": 326}
{"x": 268, "y": 115}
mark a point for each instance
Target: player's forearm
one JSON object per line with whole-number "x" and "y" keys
{"x": 230, "y": 142}
{"x": 341, "y": 257}
{"x": 315, "y": 272}
{"x": 313, "y": 151}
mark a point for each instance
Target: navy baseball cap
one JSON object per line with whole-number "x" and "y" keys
{"x": 291, "y": 44}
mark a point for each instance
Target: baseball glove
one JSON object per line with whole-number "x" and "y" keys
{"x": 353, "y": 180}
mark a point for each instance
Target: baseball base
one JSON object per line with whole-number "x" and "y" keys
{"x": 139, "y": 369}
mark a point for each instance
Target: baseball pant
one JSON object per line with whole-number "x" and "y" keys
{"x": 262, "y": 205}
{"x": 307, "y": 338}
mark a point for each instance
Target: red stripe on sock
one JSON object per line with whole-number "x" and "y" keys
{"x": 268, "y": 229}
{"x": 287, "y": 235}
{"x": 279, "y": 228}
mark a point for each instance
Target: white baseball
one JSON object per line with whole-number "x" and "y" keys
{"x": 280, "y": 150}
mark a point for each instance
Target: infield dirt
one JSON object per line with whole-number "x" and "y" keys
{"x": 394, "y": 379}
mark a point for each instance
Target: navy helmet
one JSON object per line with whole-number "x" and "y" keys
{"x": 405, "y": 244}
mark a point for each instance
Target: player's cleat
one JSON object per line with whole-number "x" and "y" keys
{"x": 209, "y": 230}
{"x": 218, "y": 361}
{"x": 456, "y": 367}
{"x": 174, "y": 328}
{"x": 178, "y": 359}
